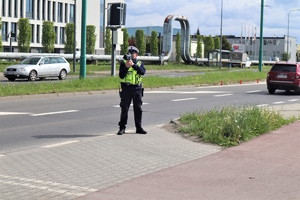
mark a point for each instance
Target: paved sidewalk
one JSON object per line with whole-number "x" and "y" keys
{"x": 87, "y": 165}
{"x": 267, "y": 167}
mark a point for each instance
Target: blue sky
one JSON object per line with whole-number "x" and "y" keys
{"x": 206, "y": 14}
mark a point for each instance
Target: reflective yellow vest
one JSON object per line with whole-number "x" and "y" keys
{"x": 132, "y": 77}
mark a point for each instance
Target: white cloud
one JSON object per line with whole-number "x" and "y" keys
{"x": 206, "y": 14}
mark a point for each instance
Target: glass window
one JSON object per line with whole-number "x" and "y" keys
{"x": 37, "y": 33}
{"x": 53, "y": 11}
{"x": 16, "y": 8}
{"x": 62, "y": 35}
{"x": 55, "y": 28}
{"x": 66, "y": 13}
{"x": 21, "y": 8}
{"x": 4, "y": 31}
{"x": 49, "y": 9}
{"x": 71, "y": 13}
{"x": 59, "y": 12}
{"x": 14, "y": 30}
{"x": 61, "y": 60}
{"x": 9, "y": 8}
{"x": 53, "y": 60}
{"x": 32, "y": 33}
{"x": 3, "y": 7}
{"x": 44, "y": 10}
{"x": 29, "y": 9}
{"x": 38, "y": 9}
{"x": 102, "y": 23}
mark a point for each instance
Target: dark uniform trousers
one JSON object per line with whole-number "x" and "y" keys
{"x": 126, "y": 97}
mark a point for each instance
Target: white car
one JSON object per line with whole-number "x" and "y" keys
{"x": 38, "y": 67}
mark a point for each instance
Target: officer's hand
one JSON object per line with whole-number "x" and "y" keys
{"x": 128, "y": 63}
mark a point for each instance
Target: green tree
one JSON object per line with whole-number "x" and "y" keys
{"x": 1, "y": 46}
{"x": 225, "y": 44}
{"x": 178, "y": 56}
{"x": 48, "y": 37}
{"x": 25, "y": 35}
{"x": 199, "y": 47}
{"x": 208, "y": 45}
{"x": 217, "y": 42}
{"x": 284, "y": 56}
{"x": 153, "y": 44}
{"x": 90, "y": 39}
{"x": 107, "y": 42}
{"x": 198, "y": 32}
{"x": 69, "y": 42}
{"x": 125, "y": 45}
{"x": 140, "y": 42}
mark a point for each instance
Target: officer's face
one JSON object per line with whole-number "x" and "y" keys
{"x": 134, "y": 55}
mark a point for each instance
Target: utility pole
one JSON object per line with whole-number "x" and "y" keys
{"x": 74, "y": 48}
{"x": 221, "y": 35}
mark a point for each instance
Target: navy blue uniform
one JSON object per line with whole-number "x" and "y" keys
{"x": 131, "y": 92}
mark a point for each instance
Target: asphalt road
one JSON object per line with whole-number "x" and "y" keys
{"x": 37, "y": 120}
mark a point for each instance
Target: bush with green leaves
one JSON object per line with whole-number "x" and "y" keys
{"x": 90, "y": 39}
{"x": 69, "y": 42}
{"x": 24, "y": 36}
{"x": 107, "y": 42}
{"x": 140, "y": 42}
{"x": 48, "y": 37}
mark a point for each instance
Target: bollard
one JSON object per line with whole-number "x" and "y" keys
{"x": 257, "y": 81}
{"x": 221, "y": 82}
{"x": 240, "y": 81}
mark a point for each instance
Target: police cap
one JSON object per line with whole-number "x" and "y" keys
{"x": 133, "y": 49}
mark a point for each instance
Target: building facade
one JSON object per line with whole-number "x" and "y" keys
{"x": 272, "y": 46}
{"x": 60, "y": 12}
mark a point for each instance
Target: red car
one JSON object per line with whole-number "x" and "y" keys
{"x": 284, "y": 76}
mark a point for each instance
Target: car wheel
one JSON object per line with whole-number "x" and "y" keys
{"x": 62, "y": 74}
{"x": 271, "y": 91}
{"x": 12, "y": 79}
{"x": 32, "y": 75}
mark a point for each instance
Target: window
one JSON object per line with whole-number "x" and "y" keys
{"x": 32, "y": 33}
{"x": 265, "y": 42}
{"x": 37, "y": 33}
{"x": 60, "y": 12}
{"x": 49, "y": 9}
{"x": 44, "y": 10}
{"x": 66, "y": 13}
{"x": 21, "y": 8}
{"x": 55, "y": 28}
{"x": 62, "y": 35}
{"x": 4, "y": 31}
{"x": 29, "y": 9}
{"x": 71, "y": 13}
{"x": 53, "y": 11}
{"x": 14, "y": 30}
{"x": 3, "y": 7}
{"x": 274, "y": 42}
{"x": 53, "y": 60}
{"x": 16, "y": 8}
{"x": 9, "y": 8}
{"x": 38, "y": 9}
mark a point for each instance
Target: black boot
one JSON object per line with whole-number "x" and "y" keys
{"x": 141, "y": 131}
{"x": 121, "y": 131}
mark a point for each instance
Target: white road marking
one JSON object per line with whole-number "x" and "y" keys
{"x": 46, "y": 185}
{"x": 293, "y": 100}
{"x": 278, "y": 102}
{"x": 186, "y": 99}
{"x": 184, "y": 92}
{"x": 118, "y": 106}
{"x": 254, "y": 91}
{"x": 60, "y": 144}
{"x": 236, "y": 85}
{"x": 222, "y": 95}
{"x": 262, "y": 105}
{"x": 13, "y": 113}
{"x": 54, "y": 113}
{"x": 2, "y": 155}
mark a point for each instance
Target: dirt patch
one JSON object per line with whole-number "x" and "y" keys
{"x": 173, "y": 127}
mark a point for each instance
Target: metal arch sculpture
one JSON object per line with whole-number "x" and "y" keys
{"x": 185, "y": 37}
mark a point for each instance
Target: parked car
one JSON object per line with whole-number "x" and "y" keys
{"x": 284, "y": 76}
{"x": 38, "y": 67}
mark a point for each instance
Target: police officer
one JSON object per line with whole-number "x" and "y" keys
{"x": 130, "y": 73}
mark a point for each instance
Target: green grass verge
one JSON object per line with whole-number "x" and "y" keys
{"x": 229, "y": 126}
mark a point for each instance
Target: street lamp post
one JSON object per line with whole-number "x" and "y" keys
{"x": 288, "y": 37}
{"x": 74, "y": 45}
{"x": 261, "y": 35}
{"x": 221, "y": 35}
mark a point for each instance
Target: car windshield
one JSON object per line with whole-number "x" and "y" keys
{"x": 284, "y": 68}
{"x": 30, "y": 61}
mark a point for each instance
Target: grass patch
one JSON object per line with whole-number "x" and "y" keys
{"x": 229, "y": 126}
